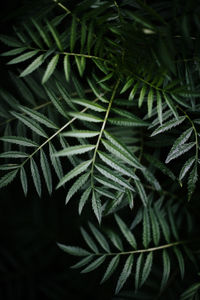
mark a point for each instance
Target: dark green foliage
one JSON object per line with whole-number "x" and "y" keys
{"x": 106, "y": 114}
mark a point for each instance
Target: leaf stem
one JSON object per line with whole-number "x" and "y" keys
{"x": 103, "y": 126}
{"x": 173, "y": 244}
{"x": 63, "y": 7}
{"x": 54, "y": 135}
{"x": 87, "y": 91}
{"x": 84, "y": 55}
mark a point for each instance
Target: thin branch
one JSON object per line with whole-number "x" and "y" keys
{"x": 53, "y": 136}
{"x": 173, "y": 244}
{"x": 85, "y": 55}
{"x": 103, "y": 126}
{"x": 87, "y": 91}
{"x": 63, "y": 7}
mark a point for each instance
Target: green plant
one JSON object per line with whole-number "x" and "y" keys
{"x": 109, "y": 98}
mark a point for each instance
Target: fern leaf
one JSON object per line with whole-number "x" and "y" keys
{"x": 23, "y": 179}
{"x": 74, "y": 172}
{"x": 10, "y": 41}
{"x": 55, "y": 161}
{"x": 126, "y": 272}
{"x": 76, "y": 186}
{"x": 50, "y": 68}
{"x": 127, "y": 122}
{"x": 13, "y": 154}
{"x": 127, "y": 85}
{"x": 171, "y": 105}
{"x": 89, "y": 104}
{"x": 96, "y": 206}
{"x": 166, "y": 269}
{"x": 82, "y": 262}
{"x": 85, "y": 117}
{"x": 67, "y": 68}
{"x": 119, "y": 150}
{"x": 73, "y": 34}
{"x": 56, "y": 102}
{"x": 186, "y": 167}
{"x": 111, "y": 175}
{"x": 121, "y": 154}
{"x": 130, "y": 198}
{"x": 76, "y": 251}
{"x": 7, "y": 178}
{"x": 190, "y": 292}
{"x": 94, "y": 265}
{"x": 158, "y": 164}
{"x": 38, "y": 117}
{"x": 173, "y": 226}
{"x": 35, "y": 37}
{"x": 90, "y": 37}
{"x": 33, "y": 66}
{"x": 23, "y": 57}
{"x": 81, "y": 63}
{"x": 168, "y": 125}
{"x": 30, "y": 123}
{"x": 46, "y": 170}
{"x": 104, "y": 192}
{"x": 13, "y": 51}
{"x": 126, "y": 232}
{"x": 141, "y": 192}
{"x": 147, "y": 268}
{"x": 164, "y": 225}
{"x": 116, "y": 166}
{"x": 180, "y": 261}
{"x": 159, "y": 107}
{"x": 133, "y": 91}
{"x": 180, "y": 141}
{"x": 44, "y": 35}
{"x": 55, "y": 35}
{"x": 24, "y": 90}
{"x": 89, "y": 241}
{"x": 150, "y": 101}
{"x": 97, "y": 93}
{"x": 138, "y": 271}
{"x": 108, "y": 183}
{"x": 36, "y": 176}
{"x": 74, "y": 150}
{"x": 192, "y": 179}
{"x": 180, "y": 150}
{"x": 83, "y": 35}
{"x": 81, "y": 133}
{"x": 124, "y": 113}
{"x": 151, "y": 179}
{"x": 100, "y": 66}
{"x": 115, "y": 239}
{"x": 142, "y": 94}
{"x": 7, "y": 167}
{"x": 146, "y": 228}
{"x": 111, "y": 268}
{"x": 83, "y": 199}
{"x": 155, "y": 227}
{"x": 99, "y": 237}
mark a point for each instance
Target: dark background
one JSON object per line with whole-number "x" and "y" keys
{"x": 31, "y": 264}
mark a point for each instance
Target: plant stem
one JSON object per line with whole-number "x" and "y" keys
{"x": 87, "y": 91}
{"x": 63, "y": 7}
{"x": 102, "y": 128}
{"x": 54, "y": 135}
{"x": 84, "y": 55}
{"x": 173, "y": 244}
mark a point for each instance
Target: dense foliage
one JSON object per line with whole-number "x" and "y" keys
{"x": 106, "y": 109}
